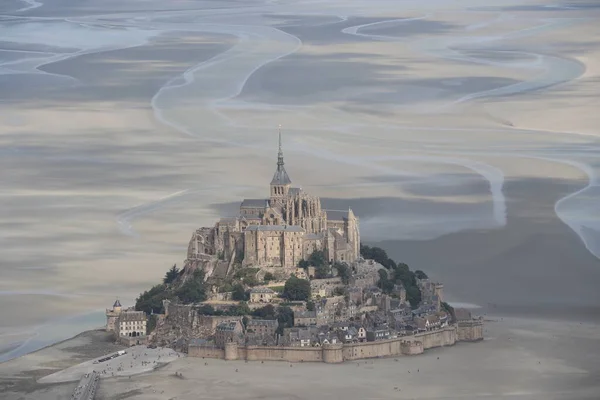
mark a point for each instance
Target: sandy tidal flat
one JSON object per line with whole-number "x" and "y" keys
{"x": 464, "y": 135}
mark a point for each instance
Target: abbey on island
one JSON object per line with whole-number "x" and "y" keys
{"x": 281, "y": 230}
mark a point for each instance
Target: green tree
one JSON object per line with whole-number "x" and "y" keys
{"x": 399, "y": 273}
{"x": 450, "y": 310}
{"x": 420, "y": 274}
{"x": 206, "y": 309}
{"x": 238, "y": 293}
{"x": 303, "y": 264}
{"x": 378, "y": 255}
{"x": 151, "y": 323}
{"x": 296, "y": 289}
{"x": 384, "y": 283}
{"x": 266, "y": 312}
{"x": 151, "y": 301}
{"x": 318, "y": 258}
{"x": 171, "y": 275}
{"x": 310, "y": 306}
{"x": 343, "y": 272}
{"x": 285, "y": 317}
{"x": 269, "y": 277}
{"x": 240, "y": 309}
{"x": 193, "y": 290}
{"x": 251, "y": 280}
{"x": 413, "y": 295}
{"x": 322, "y": 271}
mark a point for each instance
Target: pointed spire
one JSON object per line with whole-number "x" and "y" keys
{"x": 280, "y": 138}
{"x": 281, "y": 177}
{"x": 280, "y": 152}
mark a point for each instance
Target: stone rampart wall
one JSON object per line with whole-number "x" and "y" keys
{"x": 408, "y": 345}
{"x": 470, "y": 331}
{"x": 383, "y": 348}
{"x": 206, "y": 352}
{"x": 439, "y": 338}
{"x": 290, "y": 354}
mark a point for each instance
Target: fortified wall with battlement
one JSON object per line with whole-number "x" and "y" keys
{"x": 337, "y": 353}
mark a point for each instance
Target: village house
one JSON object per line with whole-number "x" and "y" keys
{"x": 327, "y": 338}
{"x": 298, "y": 337}
{"x": 131, "y": 324}
{"x": 427, "y": 323}
{"x": 254, "y": 339}
{"x": 305, "y": 318}
{"x": 349, "y": 335}
{"x": 376, "y": 319}
{"x": 361, "y": 334}
{"x": 380, "y": 333}
{"x": 341, "y": 325}
{"x": 424, "y": 309}
{"x": 262, "y": 295}
{"x": 265, "y": 327}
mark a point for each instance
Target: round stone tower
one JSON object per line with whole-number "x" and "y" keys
{"x": 231, "y": 351}
{"x": 333, "y": 353}
{"x": 117, "y": 307}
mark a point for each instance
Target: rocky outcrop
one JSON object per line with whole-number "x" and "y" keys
{"x": 182, "y": 323}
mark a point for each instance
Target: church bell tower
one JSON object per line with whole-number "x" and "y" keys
{"x": 280, "y": 184}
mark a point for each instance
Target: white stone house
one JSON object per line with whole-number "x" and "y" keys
{"x": 131, "y": 324}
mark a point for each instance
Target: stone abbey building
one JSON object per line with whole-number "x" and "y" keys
{"x": 281, "y": 230}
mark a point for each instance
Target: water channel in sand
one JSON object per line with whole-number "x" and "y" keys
{"x": 207, "y": 92}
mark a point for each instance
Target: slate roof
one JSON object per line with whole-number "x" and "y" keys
{"x": 281, "y": 177}
{"x": 117, "y": 304}
{"x": 352, "y": 331}
{"x": 250, "y": 217}
{"x": 296, "y": 334}
{"x": 288, "y": 228}
{"x": 132, "y": 316}
{"x": 305, "y": 314}
{"x": 254, "y": 203}
{"x": 263, "y": 322}
{"x": 261, "y": 290}
{"x": 227, "y": 326}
